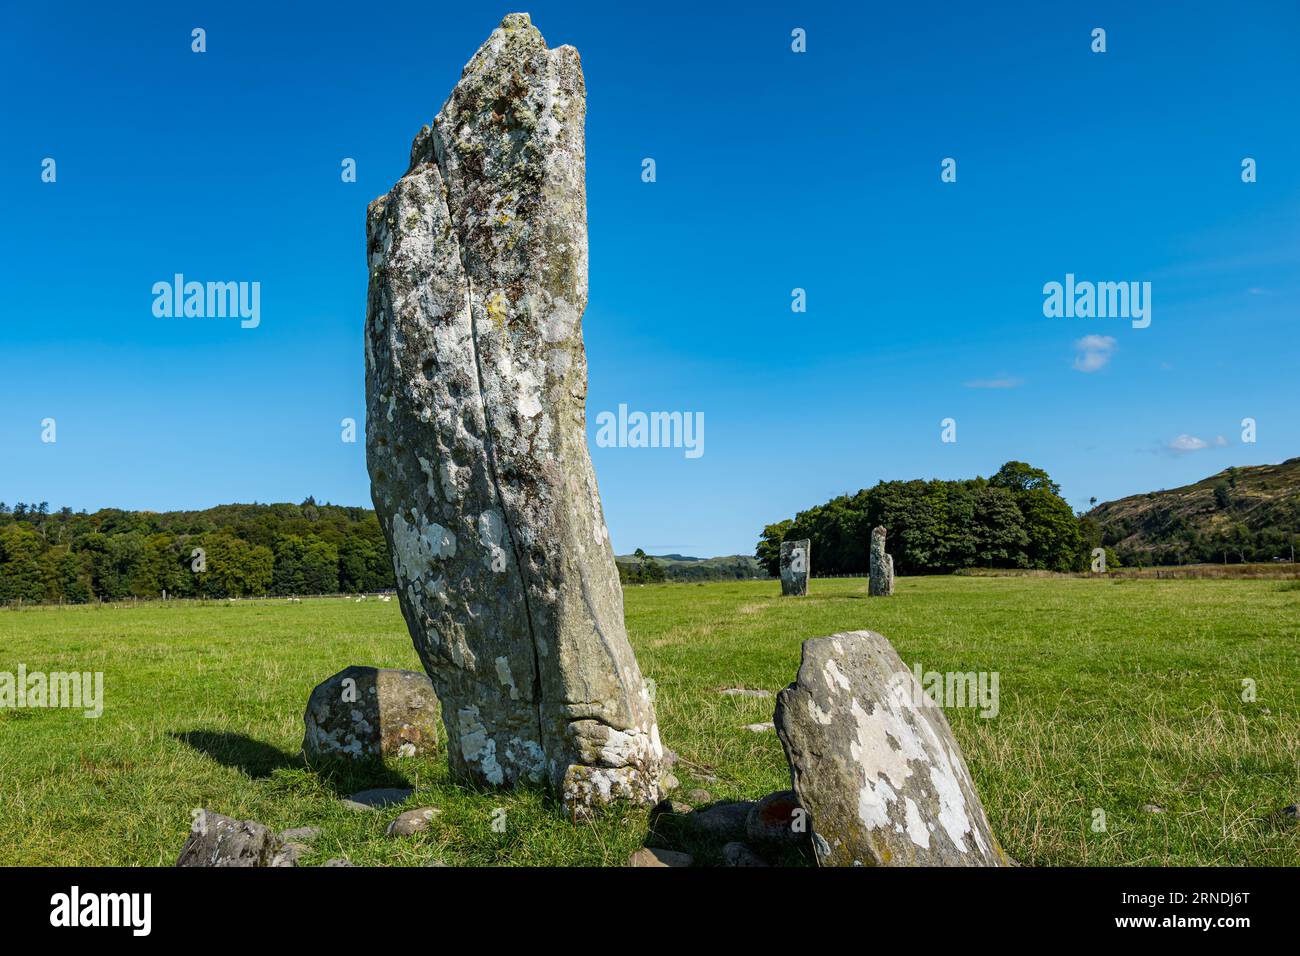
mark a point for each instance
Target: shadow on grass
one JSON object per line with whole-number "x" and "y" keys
{"x": 259, "y": 760}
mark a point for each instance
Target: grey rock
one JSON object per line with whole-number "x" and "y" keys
{"x": 760, "y": 728}
{"x": 412, "y": 821}
{"x": 720, "y": 823}
{"x": 653, "y": 857}
{"x": 301, "y": 835}
{"x": 476, "y": 445}
{"x": 290, "y": 853}
{"x": 737, "y": 854}
{"x": 698, "y": 796}
{"x": 875, "y": 763}
{"x": 796, "y": 565}
{"x": 378, "y": 797}
{"x": 668, "y": 781}
{"x": 338, "y": 861}
{"x": 777, "y": 821}
{"x": 881, "y": 566}
{"x": 217, "y": 840}
{"x": 746, "y": 692}
{"x": 1152, "y": 808}
{"x": 370, "y": 712}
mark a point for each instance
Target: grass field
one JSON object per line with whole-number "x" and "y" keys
{"x": 1115, "y": 694}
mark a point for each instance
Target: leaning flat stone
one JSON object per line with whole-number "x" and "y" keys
{"x": 654, "y": 857}
{"x": 875, "y": 763}
{"x": 217, "y": 840}
{"x": 476, "y": 382}
{"x": 378, "y": 797}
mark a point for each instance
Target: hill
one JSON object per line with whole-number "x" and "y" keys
{"x": 1242, "y": 514}
{"x": 635, "y": 568}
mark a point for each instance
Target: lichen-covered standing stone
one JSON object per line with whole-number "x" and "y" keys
{"x": 476, "y": 385}
{"x": 874, "y": 763}
{"x": 795, "y": 567}
{"x": 366, "y": 713}
{"x": 881, "y": 582}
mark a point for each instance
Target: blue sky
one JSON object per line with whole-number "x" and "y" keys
{"x": 775, "y": 171}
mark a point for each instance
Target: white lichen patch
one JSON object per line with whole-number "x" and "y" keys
{"x": 506, "y": 678}
{"x": 416, "y": 546}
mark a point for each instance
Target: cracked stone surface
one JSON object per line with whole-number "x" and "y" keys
{"x": 875, "y": 764}
{"x": 796, "y": 565}
{"x": 476, "y": 386}
{"x": 881, "y": 582}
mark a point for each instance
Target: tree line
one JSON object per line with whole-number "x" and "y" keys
{"x": 1015, "y": 519}
{"x": 227, "y": 551}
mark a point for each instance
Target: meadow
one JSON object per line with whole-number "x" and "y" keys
{"x": 1117, "y": 696}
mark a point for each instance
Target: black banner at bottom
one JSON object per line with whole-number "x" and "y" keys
{"x": 345, "y": 905}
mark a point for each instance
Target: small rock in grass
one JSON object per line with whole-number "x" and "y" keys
{"x": 698, "y": 797}
{"x": 1152, "y": 808}
{"x": 338, "y": 861}
{"x": 412, "y": 821}
{"x": 737, "y": 854}
{"x": 217, "y": 840}
{"x": 377, "y": 797}
{"x": 654, "y": 857}
{"x": 300, "y": 834}
{"x": 669, "y": 782}
{"x": 746, "y": 692}
{"x": 761, "y": 728}
{"x": 436, "y": 863}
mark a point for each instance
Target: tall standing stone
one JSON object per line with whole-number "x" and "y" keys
{"x": 796, "y": 558}
{"x": 476, "y": 384}
{"x": 881, "y": 583}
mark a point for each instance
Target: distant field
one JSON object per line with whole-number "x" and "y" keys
{"x": 1115, "y": 694}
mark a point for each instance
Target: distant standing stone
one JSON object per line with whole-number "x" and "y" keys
{"x": 760, "y": 728}
{"x": 875, "y": 763}
{"x": 364, "y": 713}
{"x": 796, "y": 564}
{"x": 881, "y": 583}
{"x": 746, "y": 692}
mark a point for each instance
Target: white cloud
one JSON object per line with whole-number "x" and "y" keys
{"x": 1094, "y": 352}
{"x": 1186, "y": 444}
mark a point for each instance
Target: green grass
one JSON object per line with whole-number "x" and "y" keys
{"x": 1114, "y": 694}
